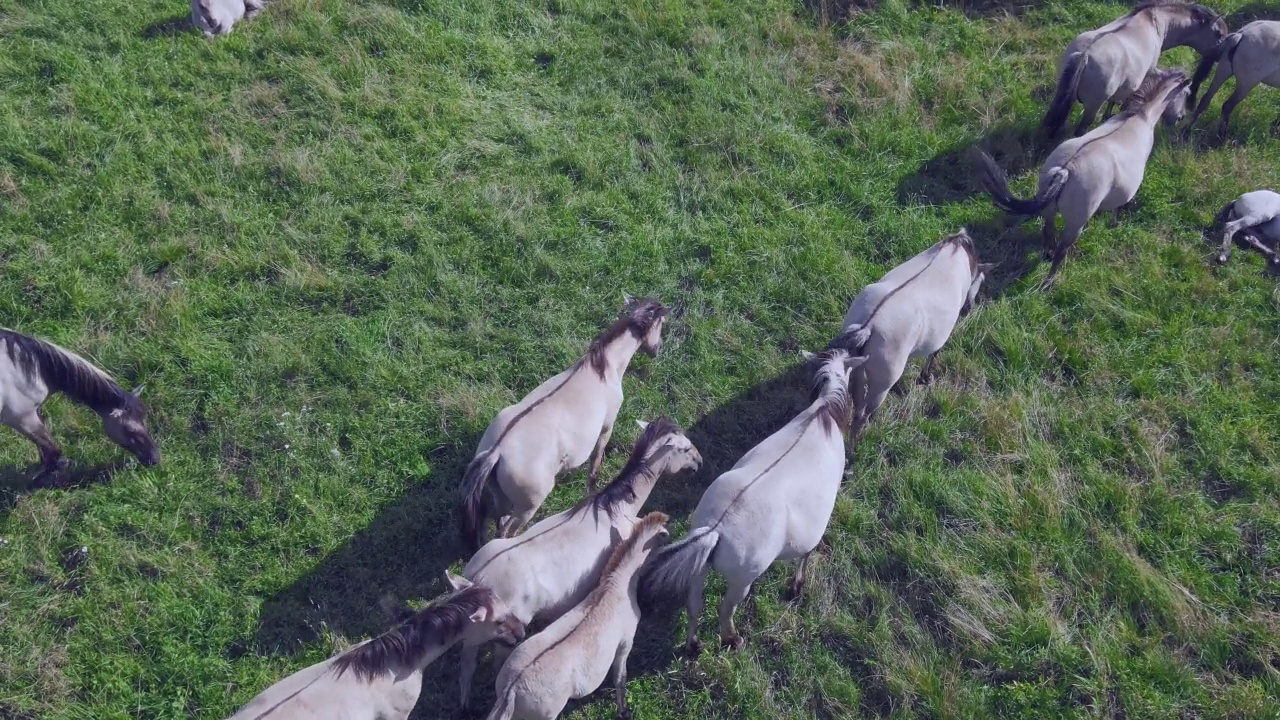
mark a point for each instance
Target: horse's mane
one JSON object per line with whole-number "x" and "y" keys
{"x": 836, "y": 411}
{"x": 623, "y": 488}
{"x": 638, "y": 322}
{"x": 64, "y": 371}
{"x": 404, "y": 644}
{"x": 624, "y": 548}
{"x": 1151, "y": 84}
{"x": 1201, "y": 12}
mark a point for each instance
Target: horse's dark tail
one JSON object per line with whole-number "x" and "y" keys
{"x": 1223, "y": 214}
{"x": 1065, "y": 96}
{"x": 853, "y": 338}
{"x": 476, "y": 499}
{"x": 997, "y": 184}
{"x": 1226, "y": 46}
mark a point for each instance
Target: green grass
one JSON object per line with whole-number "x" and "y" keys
{"x": 336, "y": 242}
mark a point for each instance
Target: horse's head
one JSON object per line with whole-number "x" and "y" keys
{"x": 127, "y": 427}
{"x": 645, "y": 317}
{"x": 203, "y": 19}
{"x": 834, "y": 366}
{"x": 1176, "y": 101}
{"x": 493, "y": 621}
{"x": 679, "y": 451}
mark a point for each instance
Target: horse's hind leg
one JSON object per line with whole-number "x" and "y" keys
{"x": 1236, "y": 226}
{"x": 797, "y": 582}
{"x": 1087, "y": 117}
{"x": 926, "y": 372}
{"x": 1070, "y": 233}
{"x": 470, "y": 654}
{"x": 1049, "y": 232}
{"x": 33, "y": 428}
{"x": 733, "y": 596}
{"x": 1258, "y": 245}
{"x": 693, "y": 646}
{"x": 1229, "y": 106}
{"x": 1218, "y": 80}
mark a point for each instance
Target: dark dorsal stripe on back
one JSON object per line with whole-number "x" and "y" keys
{"x": 960, "y": 239}
{"x": 62, "y": 371}
{"x": 623, "y": 488}
{"x": 1199, "y": 12}
{"x": 405, "y": 644}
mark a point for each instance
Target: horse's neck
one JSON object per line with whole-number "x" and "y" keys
{"x": 429, "y": 656}
{"x": 618, "y": 354}
{"x": 1175, "y": 30}
{"x": 645, "y": 480}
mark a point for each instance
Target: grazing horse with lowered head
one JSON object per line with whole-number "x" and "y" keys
{"x": 1109, "y": 64}
{"x": 909, "y": 313}
{"x": 31, "y": 370}
{"x": 552, "y": 567}
{"x": 573, "y": 656}
{"x": 1255, "y": 214}
{"x": 1252, "y": 55}
{"x": 380, "y": 679}
{"x": 559, "y": 426}
{"x": 1101, "y": 170}
{"x": 774, "y": 504}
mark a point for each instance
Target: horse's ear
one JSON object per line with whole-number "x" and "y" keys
{"x": 852, "y": 362}
{"x": 482, "y": 614}
{"x": 642, "y": 424}
{"x": 137, "y": 392}
{"x": 457, "y": 582}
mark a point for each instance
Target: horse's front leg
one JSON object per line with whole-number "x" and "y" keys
{"x": 597, "y": 457}
{"x": 926, "y": 372}
{"x": 797, "y": 582}
{"x": 33, "y": 428}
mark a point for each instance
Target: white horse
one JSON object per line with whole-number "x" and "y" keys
{"x": 1109, "y": 64}
{"x": 559, "y": 426}
{"x": 1252, "y": 55}
{"x": 380, "y": 679}
{"x": 774, "y": 504}
{"x": 31, "y": 370}
{"x": 1099, "y": 171}
{"x": 217, "y": 17}
{"x": 1257, "y": 215}
{"x": 572, "y": 657}
{"x": 909, "y": 313}
{"x": 552, "y": 567}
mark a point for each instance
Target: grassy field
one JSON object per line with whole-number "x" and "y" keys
{"x": 336, "y": 242}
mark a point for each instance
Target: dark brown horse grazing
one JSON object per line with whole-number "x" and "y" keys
{"x": 31, "y": 370}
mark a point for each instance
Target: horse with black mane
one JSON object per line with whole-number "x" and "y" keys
{"x": 31, "y": 370}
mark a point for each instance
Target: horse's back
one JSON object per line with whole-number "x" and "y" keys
{"x": 873, "y": 297}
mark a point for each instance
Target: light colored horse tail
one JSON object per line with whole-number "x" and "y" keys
{"x": 669, "y": 571}
{"x": 1227, "y": 47}
{"x": 997, "y": 184}
{"x": 505, "y": 708}
{"x": 476, "y": 500}
{"x": 1065, "y": 96}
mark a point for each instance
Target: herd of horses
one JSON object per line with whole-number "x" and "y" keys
{"x": 585, "y": 573}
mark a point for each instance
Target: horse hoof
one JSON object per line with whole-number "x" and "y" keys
{"x": 693, "y": 649}
{"x": 1222, "y": 259}
{"x": 625, "y": 714}
{"x": 925, "y": 379}
{"x": 734, "y": 642}
{"x": 794, "y": 591}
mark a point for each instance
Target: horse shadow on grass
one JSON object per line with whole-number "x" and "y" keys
{"x": 17, "y": 482}
{"x": 171, "y": 27}
{"x": 951, "y": 176}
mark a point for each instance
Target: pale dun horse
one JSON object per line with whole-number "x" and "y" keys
{"x": 573, "y": 656}
{"x": 554, "y": 565}
{"x": 217, "y": 17}
{"x": 562, "y": 424}
{"x": 910, "y": 312}
{"x": 1099, "y": 171}
{"x": 1256, "y": 216}
{"x": 31, "y": 370}
{"x": 1252, "y": 55}
{"x": 1107, "y": 65}
{"x": 380, "y": 679}
{"x": 774, "y": 504}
